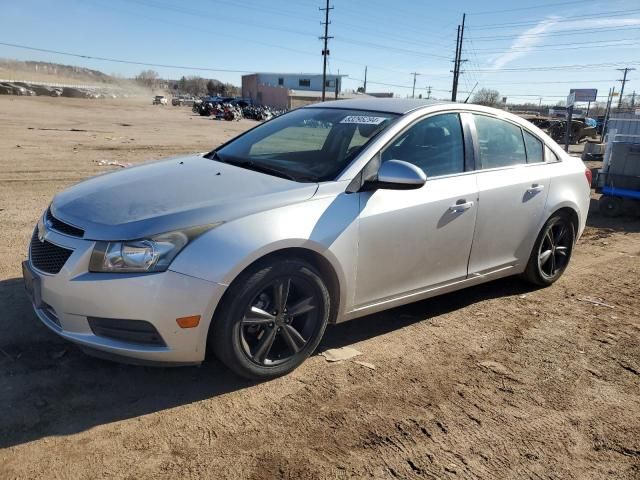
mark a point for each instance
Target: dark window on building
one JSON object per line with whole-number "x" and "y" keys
{"x": 280, "y": 81}
{"x": 304, "y": 82}
{"x": 330, "y": 83}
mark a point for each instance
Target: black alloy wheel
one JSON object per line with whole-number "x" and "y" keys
{"x": 280, "y": 321}
{"x": 551, "y": 251}
{"x": 271, "y": 319}
{"x": 555, "y": 248}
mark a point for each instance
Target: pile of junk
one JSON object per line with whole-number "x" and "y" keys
{"x": 229, "y": 108}
{"x": 618, "y": 181}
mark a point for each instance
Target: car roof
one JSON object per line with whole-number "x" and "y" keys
{"x": 388, "y": 105}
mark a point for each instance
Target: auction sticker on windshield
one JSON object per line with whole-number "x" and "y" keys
{"x": 363, "y": 119}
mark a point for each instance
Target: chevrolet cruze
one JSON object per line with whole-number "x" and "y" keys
{"x": 324, "y": 214}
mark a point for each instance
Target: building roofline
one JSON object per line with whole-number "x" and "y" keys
{"x": 306, "y": 74}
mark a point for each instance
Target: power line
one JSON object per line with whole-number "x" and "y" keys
{"x": 378, "y": 46}
{"x": 244, "y": 39}
{"x": 396, "y": 85}
{"x": 577, "y": 31}
{"x": 567, "y": 47}
{"x": 204, "y": 14}
{"x": 536, "y": 82}
{"x": 116, "y": 60}
{"x": 584, "y": 66}
{"x": 492, "y": 26}
{"x": 487, "y": 12}
{"x": 201, "y": 14}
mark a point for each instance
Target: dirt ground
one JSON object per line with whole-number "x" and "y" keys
{"x": 495, "y": 382}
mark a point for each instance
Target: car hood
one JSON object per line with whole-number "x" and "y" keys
{"x": 167, "y": 195}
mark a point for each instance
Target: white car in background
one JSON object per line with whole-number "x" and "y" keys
{"x": 160, "y": 100}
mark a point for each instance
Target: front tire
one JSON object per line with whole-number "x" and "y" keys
{"x": 271, "y": 319}
{"x": 551, "y": 252}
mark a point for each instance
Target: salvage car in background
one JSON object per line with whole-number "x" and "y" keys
{"x": 159, "y": 100}
{"x": 15, "y": 89}
{"x": 182, "y": 100}
{"x": 581, "y": 129}
{"x": 324, "y": 214}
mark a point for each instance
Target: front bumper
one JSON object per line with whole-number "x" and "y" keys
{"x": 67, "y": 299}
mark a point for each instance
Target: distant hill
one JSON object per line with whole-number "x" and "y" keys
{"x": 45, "y": 71}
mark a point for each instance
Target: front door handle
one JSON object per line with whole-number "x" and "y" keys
{"x": 535, "y": 188}
{"x": 461, "y": 206}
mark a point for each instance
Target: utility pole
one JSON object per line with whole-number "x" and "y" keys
{"x": 455, "y": 66}
{"x": 413, "y": 93}
{"x": 458, "y": 60}
{"x": 325, "y": 51}
{"x": 365, "y": 80}
{"x": 624, "y": 80}
{"x": 633, "y": 99}
{"x": 607, "y": 113}
{"x": 428, "y": 92}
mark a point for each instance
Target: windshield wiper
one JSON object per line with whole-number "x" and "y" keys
{"x": 215, "y": 156}
{"x": 256, "y": 167}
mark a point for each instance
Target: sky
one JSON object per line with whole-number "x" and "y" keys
{"x": 527, "y": 50}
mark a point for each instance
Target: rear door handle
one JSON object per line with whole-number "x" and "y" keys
{"x": 461, "y": 206}
{"x": 535, "y": 188}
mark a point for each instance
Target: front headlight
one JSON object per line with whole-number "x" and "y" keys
{"x": 147, "y": 255}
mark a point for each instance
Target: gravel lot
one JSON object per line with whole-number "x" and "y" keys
{"x": 498, "y": 381}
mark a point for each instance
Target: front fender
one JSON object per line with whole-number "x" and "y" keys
{"x": 326, "y": 226}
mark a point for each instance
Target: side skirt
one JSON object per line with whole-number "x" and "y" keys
{"x": 415, "y": 296}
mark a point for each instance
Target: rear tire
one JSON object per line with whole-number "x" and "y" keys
{"x": 271, "y": 319}
{"x": 551, "y": 252}
{"x": 610, "y": 206}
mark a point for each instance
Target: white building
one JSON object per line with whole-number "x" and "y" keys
{"x": 274, "y": 89}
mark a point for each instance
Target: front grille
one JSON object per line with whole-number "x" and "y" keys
{"x": 47, "y": 257}
{"x": 131, "y": 331}
{"x": 62, "y": 227}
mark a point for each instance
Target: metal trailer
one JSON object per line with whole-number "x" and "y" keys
{"x": 619, "y": 179}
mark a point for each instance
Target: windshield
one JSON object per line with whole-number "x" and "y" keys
{"x": 306, "y": 145}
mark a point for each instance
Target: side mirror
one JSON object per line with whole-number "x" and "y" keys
{"x": 397, "y": 175}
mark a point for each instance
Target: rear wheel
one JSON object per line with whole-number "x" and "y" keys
{"x": 610, "y": 206}
{"x": 551, "y": 252}
{"x": 271, "y": 319}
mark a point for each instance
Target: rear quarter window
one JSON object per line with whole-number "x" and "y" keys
{"x": 550, "y": 156}
{"x": 535, "y": 151}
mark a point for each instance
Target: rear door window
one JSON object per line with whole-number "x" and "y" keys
{"x": 501, "y": 143}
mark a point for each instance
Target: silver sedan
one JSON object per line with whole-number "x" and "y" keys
{"x": 324, "y": 214}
